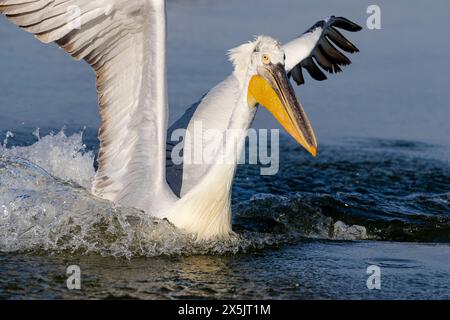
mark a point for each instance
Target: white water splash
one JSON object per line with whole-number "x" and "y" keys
{"x": 45, "y": 204}
{"x": 9, "y": 134}
{"x": 61, "y": 156}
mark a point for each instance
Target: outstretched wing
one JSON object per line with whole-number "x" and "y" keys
{"x": 124, "y": 42}
{"x": 319, "y": 47}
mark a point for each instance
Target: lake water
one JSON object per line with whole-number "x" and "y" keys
{"x": 378, "y": 193}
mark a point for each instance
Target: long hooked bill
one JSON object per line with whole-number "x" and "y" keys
{"x": 271, "y": 89}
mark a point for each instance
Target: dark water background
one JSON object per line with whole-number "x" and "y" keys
{"x": 384, "y": 163}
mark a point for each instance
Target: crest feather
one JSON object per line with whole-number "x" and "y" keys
{"x": 241, "y": 56}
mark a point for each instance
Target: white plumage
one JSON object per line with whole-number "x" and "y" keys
{"x": 125, "y": 43}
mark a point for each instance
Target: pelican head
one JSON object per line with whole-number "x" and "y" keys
{"x": 262, "y": 63}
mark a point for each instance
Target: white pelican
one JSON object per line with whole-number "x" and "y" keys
{"x": 125, "y": 43}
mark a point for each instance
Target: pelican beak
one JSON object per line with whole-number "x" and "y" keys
{"x": 271, "y": 89}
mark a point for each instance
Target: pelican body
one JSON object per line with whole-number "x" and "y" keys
{"x": 125, "y": 43}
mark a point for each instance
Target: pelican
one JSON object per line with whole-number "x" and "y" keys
{"x": 124, "y": 41}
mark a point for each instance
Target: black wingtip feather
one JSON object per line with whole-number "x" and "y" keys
{"x": 345, "y": 24}
{"x": 332, "y": 53}
{"x": 341, "y": 41}
{"x": 313, "y": 69}
{"x": 297, "y": 75}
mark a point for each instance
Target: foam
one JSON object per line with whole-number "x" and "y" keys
{"x": 46, "y": 205}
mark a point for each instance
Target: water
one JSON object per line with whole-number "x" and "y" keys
{"x": 378, "y": 194}
{"x": 308, "y": 270}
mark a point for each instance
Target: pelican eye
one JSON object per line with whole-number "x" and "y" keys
{"x": 265, "y": 59}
